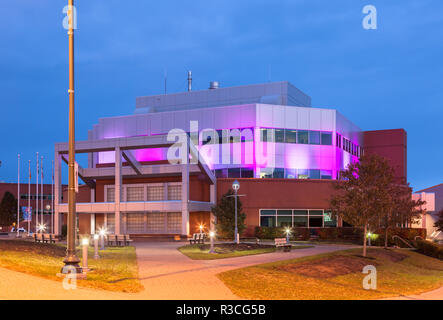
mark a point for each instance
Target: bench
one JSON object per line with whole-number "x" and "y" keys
{"x": 48, "y": 238}
{"x": 197, "y": 238}
{"x": 38, "y": 237}
{"x": 121, "y": 240}
{"x": 281, "y": 243}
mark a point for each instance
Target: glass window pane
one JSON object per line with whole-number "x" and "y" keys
{"x": 315, "y": 212}
{"x": 284, "y": 212}
{"x": 155, "y": 193}
{"x": 315, "y": 222}
{"x": 134, "y": 194}
{"x": 314, "y": 137}
{"x": 300, "y": 212}
{"x": 326, "y": 174}
{"x": 267, "y": 221}
{"x": 300, "y": 221}
{"x": 326, "y": 138}
{"x": 329, "y": 221}
{"x": 267, "y": 212}
{"x": 247, "y": 173}
{"x": 279, "y": 135}
{"x": 174, "y": 192}
{"x": 291, "y": 173}
{"x": 314, "y": 174}
{"x": 234, "y": 173}
{"x": 302, "y": 174}
{"x": 267, "y": 135}
{"x": 279, "y": 173}
{"x": 266, "y": 172}
{"x": 221, "y": 173}
{"x": 284, "y": 221}
{"x": 290, "y": 136}
{"x": 302, "y": 137}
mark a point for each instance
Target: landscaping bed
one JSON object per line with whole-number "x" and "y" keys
{"x": 115, "y": 271}
{"x": 338, "y": 275}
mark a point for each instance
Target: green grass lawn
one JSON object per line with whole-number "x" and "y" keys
{"x": 201, "y": 252}
{"x": 115, "y": 271}
{"x": 337, "y": 275}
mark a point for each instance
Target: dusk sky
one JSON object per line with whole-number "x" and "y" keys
{"x": 387, "y": 78}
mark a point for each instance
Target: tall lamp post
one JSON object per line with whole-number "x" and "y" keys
{"x": 71, "y": 259}
{"x": 236, "y": 187}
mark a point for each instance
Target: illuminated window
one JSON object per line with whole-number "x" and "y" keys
{"x": 155, "y": 193}
{"x": 110, "y": 195}
{"x": 174, "y": 192}
{"x": 302, "y": 137}
{"x": 290, "y": 136}
{"x": 134, "y": 194}
{"x": 326, "y": 138}
{"x": 314, "y": 137}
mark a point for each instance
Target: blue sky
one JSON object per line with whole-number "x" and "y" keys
{"x": 385, "y": 78}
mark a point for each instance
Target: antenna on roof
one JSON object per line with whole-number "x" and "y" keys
{"x": 189, "y": 81}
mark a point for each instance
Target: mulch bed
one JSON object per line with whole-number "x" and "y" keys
{"x": 32, "y": 247}
{"x": 341, "y": 265}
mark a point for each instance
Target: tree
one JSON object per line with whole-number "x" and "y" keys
{"x": 8, "y": 209}
{"x": 225, "y": 215}
{"x": 439, "y": 223}
{"x": 363, "y": 193}
{"x": 403, "y": 210}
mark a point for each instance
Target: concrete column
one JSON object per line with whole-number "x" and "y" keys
{"x": 92, "y": 214}
{"x": 57, "y": 192}
{"x": 185, "y": 194}
{"x": 213, "y": 200}
{"x": 118, "y": 187}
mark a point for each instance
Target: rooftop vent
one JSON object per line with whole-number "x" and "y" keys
{"x": 214, "y": 85}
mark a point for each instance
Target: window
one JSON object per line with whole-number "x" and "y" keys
{"x": 279, "y": 173}
{"x": 291, "y": 173}
{"x": 155, "y": 222}
{"x": 326, "y": 174}
{"x": 174, "y": 222}
{"x": 266, "y": 172}
{"x": 247, "y": 173}
{"x": 284, "y": 212}
{"x": 234, "y": 173}
{"x": 110, "y": 195}
{"x": 110, "y": 223}
{"x": 267, "y": 221}
{"x": 135, "y": 223}
{"x": 314, "y": 137}
{"x": 302, "y": 137}
{"x": 300, "y": 221}
{"x": 326, "y": 138}
{"x": 221, "y": 173}
{"x": 267, "y": 135}
{"x": 134, "y": 194}
{"x": 303, "y": 174}
{"x": 314, "y": 174}
{"x": 300, "y": 212}
{"x": 329, "y": 221}
{"x": 290, "y": 136}
{"x": 279, "y": 135}
{"x": 174, "y": 192}
{"x": 284, "y": 221}
{"x": 315, "y": 222}
{"x": 155, "y": 193}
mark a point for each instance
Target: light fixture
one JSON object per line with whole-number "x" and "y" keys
{"x": 236, "y": 186}
{"x": 85, "y": 242}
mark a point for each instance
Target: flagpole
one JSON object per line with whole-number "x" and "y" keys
{"x": 18, "y": 197}
{"x": 52, "y": 198}
{"x": 42, "y": 193}
{"x": 71, "y": 259}
{"x": 36, "y": 198}
{"x": 29, "y": 199}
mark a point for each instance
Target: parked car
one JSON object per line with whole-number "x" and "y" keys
{"x": 20, "y": 230}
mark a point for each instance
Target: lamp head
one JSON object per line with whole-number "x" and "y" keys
{"x": 96, "y": 236}
{"x": 212, "y": 234}
{"x": 236, "y": 185}
{"x": 85, "y": 242}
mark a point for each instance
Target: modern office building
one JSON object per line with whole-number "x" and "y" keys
{"x": 285, "y": 153}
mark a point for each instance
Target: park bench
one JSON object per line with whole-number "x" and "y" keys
{"x": 197, "y": 238}
{"x": 121, "y": 240}
{"x": 281, "y": 243}
{"x": 48, "y": 238}
{"x": 38, "y": 237}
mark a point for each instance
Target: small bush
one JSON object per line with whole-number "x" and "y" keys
{"x": 430, "y": 249}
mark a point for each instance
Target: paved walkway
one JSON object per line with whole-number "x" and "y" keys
{"x": 165, "y": 273}
{"x": 431, "y": 295}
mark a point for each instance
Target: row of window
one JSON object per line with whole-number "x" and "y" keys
{"x": 235, "y": 173}
{"x": 231, "y": 135}
{"x": 155, "y": 222}
{"x": 349, "y": 146}
{"x": 146, "y": 192}
{"x": 301, "y": 218}
{"x": 296, "y": 136}
{"x": 35, "y": 197}
{"x": 280, "y": 173}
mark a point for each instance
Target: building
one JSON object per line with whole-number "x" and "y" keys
{"x": 285, "y": 153}
{"x": 432, "y": 195}
{"x": 46, "y": 199}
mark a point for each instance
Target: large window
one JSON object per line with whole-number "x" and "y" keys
{"x": 155, "y": 193}
{"x": 314, "y": 137}
{"x": 290, "y": 136}
{"x": 326, "y": 138}
{"x": 302, "y": 218}
{"x": 302, "y": 137}
{"x": 134, "y": 194}
{"x": 174, "y": 192}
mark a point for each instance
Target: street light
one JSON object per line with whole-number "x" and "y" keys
{"x": 201, "y": 228}
{"x": 369, "y": 238}
{"x": 96, "y": 237}
{"x": 102, "y": 233}
{"x": 288, "y": 233}
{"x": 85, "y": 245}
{"x": 71, "y": 259}
{"x": 211, "y": 236}
{"x": 236, "y": 187}
{"x": 41, "y": 228}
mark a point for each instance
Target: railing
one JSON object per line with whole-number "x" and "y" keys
{"x": 404, "y": 241}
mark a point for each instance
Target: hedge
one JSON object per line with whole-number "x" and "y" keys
{"x": 430, "y": 249}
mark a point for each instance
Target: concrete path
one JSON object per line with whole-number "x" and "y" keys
{"x": 431, "y": 295}
{"x": 167, "y": 274}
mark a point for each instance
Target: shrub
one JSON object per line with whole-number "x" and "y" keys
{"x": 408, "y": 234}
{"x": 430, "y": 249}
